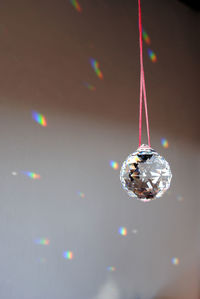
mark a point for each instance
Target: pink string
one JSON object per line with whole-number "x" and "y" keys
{"x": 140, "y": 110}
{"x": 142, "y": 83}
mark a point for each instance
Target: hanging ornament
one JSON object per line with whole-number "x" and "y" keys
{"x": 145, "y": 174}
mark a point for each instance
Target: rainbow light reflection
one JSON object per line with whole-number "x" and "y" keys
{"x": 42, "y": 260}
{"x": 42, "y": 241}
{"x": 81, "y": 194}
{"x": 123, "y": 231}
{"x": 114, "y": 164}
{"x": 164, "y": 143}
{"x": 152, "y": 55}
{"x": 146, "y": 37}
{"x": 180, "y": 198}
{"x": 95, "y": 65}
{"x": 175, "y": 261}
{"x": 32, "y": 175}
{"x": 111, "y": 269}
{"x": 76, "y": 5}
{"x": 39, "y": 118}
{"x": 68, "y": 255}
{"x": 90, "y": 86}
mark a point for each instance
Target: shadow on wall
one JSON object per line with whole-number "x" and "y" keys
{"x": 178, "y": 289}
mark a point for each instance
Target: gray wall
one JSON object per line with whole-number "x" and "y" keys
{"x": 45, "y": 48}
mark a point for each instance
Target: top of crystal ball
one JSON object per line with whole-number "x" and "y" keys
{"x": 145, "y": 174}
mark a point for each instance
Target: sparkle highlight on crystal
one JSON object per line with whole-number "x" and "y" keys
{"x": 68, "y": 255}
{"x": 90, "y": 86}
{"x": 39, "y": 118}
{"x": 175, "y": 261}
{"x": 164, "y": 143}
{"x": 145, "y": 174}
{"x": 95, "y": 66}
{"x": 111, "y": 269}
{"x": 152, "y": 55}
{"x": 42, "y": 241}
{"x": 76, "y": 5}
{"x": 114, "y": 164}
{"x": 122, "y": 231}
{"x": 146, "y": 37}
{"x": 32, "y": 175}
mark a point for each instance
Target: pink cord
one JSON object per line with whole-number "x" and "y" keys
{"x": 142, "y": 83}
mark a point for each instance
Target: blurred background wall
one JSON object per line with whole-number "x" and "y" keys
{"x": 78, "y": 204}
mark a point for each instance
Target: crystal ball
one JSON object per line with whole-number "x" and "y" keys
{"x": 145, "y": 174}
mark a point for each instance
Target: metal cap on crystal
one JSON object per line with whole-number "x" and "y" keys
{"x": 145, "y": 174}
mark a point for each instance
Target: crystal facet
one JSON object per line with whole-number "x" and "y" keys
{"x": 145, "y": 174}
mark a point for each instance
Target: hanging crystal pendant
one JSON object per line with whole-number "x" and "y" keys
{"x": 145, "y": 174}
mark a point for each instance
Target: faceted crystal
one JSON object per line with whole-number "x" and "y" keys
{"x": 145, "y": 174}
